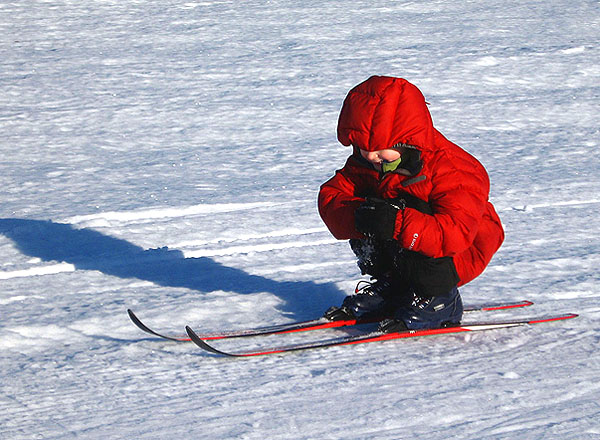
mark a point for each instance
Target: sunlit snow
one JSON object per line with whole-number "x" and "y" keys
{"x": 166, "y": 156}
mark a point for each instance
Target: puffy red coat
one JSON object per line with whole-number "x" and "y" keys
{"x": 380, "y": 113}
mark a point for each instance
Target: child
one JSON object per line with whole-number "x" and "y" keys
{"x": 414, "y": 207}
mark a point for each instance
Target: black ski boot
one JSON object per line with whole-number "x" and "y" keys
{"x": 426, "y": 313}
{"x": 369, "y": 302}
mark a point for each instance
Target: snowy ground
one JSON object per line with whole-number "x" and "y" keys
{"x": 166, "y": 156}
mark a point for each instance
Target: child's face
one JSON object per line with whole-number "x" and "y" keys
{"x": 378, "y": 157}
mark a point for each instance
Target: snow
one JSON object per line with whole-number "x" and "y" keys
{"x": 166, "y": 156}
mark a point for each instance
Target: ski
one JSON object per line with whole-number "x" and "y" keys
{"x": 377, "y": 336}
{"x": 314, "y": 324}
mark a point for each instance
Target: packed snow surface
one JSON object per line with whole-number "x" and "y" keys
{"x": 166, "y": 156}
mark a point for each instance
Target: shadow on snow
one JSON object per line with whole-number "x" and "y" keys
{"x": 91, "y": 250}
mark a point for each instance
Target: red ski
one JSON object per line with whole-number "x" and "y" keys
{"x": 378, "y": 336}
{"x": 301, "y": 326}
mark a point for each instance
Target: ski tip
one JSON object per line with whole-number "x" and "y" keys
{"x": 203, "y": 345}
{"x": 136, "y": 320}
{"x": 139, "y": 324}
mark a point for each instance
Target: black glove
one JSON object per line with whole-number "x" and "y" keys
{"x": 377, "y": 218}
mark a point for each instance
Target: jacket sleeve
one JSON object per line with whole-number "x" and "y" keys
{"x": 337, "y": 203}
{"x": 459, "y": 199}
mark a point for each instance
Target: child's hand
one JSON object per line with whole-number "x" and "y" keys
{"x": 377, "y": 218}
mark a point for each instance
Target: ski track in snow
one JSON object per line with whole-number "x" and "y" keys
{"x": 166, "y": 157}
{"x": 220, "y": 245}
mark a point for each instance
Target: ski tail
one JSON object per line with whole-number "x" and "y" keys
{"x": 499, "y": 306}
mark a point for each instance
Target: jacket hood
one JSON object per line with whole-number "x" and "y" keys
{"x": 382, "y": 112}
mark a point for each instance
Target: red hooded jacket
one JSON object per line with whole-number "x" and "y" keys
{"x": 380, "y": 113}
